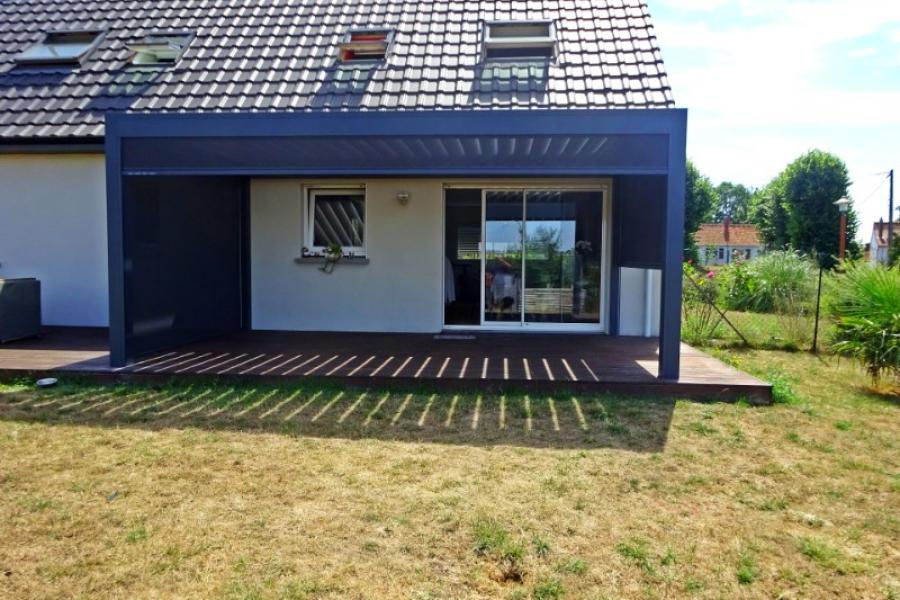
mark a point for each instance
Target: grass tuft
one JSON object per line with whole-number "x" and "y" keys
{"x": 637, "y": 552}
{"x": 575, "y": 566}
{"x": 541, "y": 546}
{"x": 549, "y": 589}
{"x": 747, "y": 569}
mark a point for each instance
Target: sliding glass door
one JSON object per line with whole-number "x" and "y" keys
{"x": 541, "y": 257}
{"x": 562, "y": 257}
{"x": 503, "y": 222}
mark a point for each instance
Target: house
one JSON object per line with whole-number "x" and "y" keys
{"x": 878, "y": 245}
{"x": 721, "y": 243}
{"x": 177, "y": 170}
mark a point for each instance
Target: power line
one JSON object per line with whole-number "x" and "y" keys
{"x": 878, "y": 188}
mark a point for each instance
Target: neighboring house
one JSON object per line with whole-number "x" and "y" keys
{"x": 721, "y": 243}
{"x": 181, "y": 169}
{"x": 878, "y": 245}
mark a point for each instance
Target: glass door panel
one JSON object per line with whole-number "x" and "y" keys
{"x": 462, "y": 258}
{"x": 563, "y": 257}
{"x": 503, "y": 230}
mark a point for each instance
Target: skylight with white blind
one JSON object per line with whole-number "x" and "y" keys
{"x": 518, "y": 40}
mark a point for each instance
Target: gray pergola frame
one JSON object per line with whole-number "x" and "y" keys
{"x": 279, "y": 127}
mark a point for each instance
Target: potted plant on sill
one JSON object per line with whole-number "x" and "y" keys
{"x": 333, "y": 254}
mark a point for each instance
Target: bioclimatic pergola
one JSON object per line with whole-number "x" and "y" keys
{"x": 643, "y": 149}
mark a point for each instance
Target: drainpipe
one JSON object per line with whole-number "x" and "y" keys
{"x": 727, "y": 232}
{"x": 648, "y": 302}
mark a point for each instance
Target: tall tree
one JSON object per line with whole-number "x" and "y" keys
{"x": 811, "y": 186}
{"x": 700, "y": 198}
{"x": 733, "y": 201}
{"x": 767, "y": 212}
{"x": 797, "y": 210}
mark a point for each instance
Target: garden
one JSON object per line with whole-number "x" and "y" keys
{"x": 785, "y": 301}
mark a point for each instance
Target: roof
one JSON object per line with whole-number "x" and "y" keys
{"x": 713, "y": 234}
{"x": 281, "y": 55}
{"x": 880, "y": 233}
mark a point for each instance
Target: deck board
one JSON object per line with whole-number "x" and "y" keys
{"x": 490, "y": 360}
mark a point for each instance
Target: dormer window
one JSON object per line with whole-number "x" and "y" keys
{"x": 159, "y": 49}
{"x": 366, "y": 45}
{"x": 60, "y": 48}
{"x": 529, "y": 40}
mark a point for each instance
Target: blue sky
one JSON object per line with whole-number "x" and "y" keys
{"x": 767, "y": 80}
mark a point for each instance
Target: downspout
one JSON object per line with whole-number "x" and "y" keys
{"x": 648, "y": 303}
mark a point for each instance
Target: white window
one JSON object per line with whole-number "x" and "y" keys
{"x": 517, "y": 40}
{"x": 366, "y": 45}
{"x": 721, "y": 253}
{"x": 160, "y": 48}
{"x": 336, "y": 218}
{"x": 60, "y": 48}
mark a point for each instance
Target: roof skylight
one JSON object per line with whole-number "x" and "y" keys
{"x": 366, "y": 45}
{"x": 60, "y": 48}
{"x": 528, "y": 40}
{"x": 162, "y": 48}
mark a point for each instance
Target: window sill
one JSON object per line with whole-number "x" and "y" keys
{"x": 320, "y": 260}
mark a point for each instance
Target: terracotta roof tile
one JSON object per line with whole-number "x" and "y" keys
{"x": 713, "y": 234}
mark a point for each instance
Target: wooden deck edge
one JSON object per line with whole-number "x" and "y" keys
{"x": 756, "y": 393}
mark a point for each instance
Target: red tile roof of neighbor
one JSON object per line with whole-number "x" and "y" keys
{"x": 880, "y": 233}
{"x": 713, "y": 234}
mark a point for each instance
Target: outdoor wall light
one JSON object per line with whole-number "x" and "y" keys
{"x": 403, "y": 198}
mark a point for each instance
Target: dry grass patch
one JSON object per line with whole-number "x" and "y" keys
{"x": 242, "y": 492}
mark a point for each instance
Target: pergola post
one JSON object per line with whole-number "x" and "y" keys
{"x": 670, "y": 305}
{"x": 116, "y": 245}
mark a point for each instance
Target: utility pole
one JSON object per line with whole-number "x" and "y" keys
{"x": 891, "y": 215}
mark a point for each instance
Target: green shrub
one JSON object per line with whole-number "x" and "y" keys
{"x": 781, "y": 282}
{"x": 864, "y": 302}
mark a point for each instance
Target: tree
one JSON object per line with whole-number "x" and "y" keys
{"x": 812, "y": 184}
{"x": 733, "y": 201}
{"x": 796, "y": 210}
{"x": 699, "y": 200}
{"x": 767, "y": 212}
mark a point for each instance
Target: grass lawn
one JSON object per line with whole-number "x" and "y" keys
{"x": 329, "y": 493}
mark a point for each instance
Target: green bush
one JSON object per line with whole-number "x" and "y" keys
{"x": 781, "y": 282}
{"x": 864, "y": 302}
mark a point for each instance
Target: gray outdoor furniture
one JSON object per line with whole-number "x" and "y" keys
{"x": 20, "y": 308}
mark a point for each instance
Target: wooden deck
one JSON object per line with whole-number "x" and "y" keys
{"x": 484, "y": 361}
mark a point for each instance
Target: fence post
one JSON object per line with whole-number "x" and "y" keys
{"x": 815, "y": 344}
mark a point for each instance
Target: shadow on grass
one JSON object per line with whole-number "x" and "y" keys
{"x": 561, "y": 420}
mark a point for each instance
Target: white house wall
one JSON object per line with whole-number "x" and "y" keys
{"x": 53, "y": 227}
{"x": 398, "y": 291}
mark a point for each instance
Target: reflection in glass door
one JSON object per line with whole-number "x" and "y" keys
{"x": 503, "y": 231}
{"x": 562, "y": 257}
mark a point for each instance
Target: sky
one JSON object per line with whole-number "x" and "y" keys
{"x": 765, "y": 81}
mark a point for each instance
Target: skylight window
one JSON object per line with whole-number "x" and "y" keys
{"x": 60, "y": 48}
{"x": 162, "y": 48}
{"x": 529, "y": 40}
{"x": 366, "y": 45}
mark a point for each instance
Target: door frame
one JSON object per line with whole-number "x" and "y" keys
{"x": 604, "y": 186}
